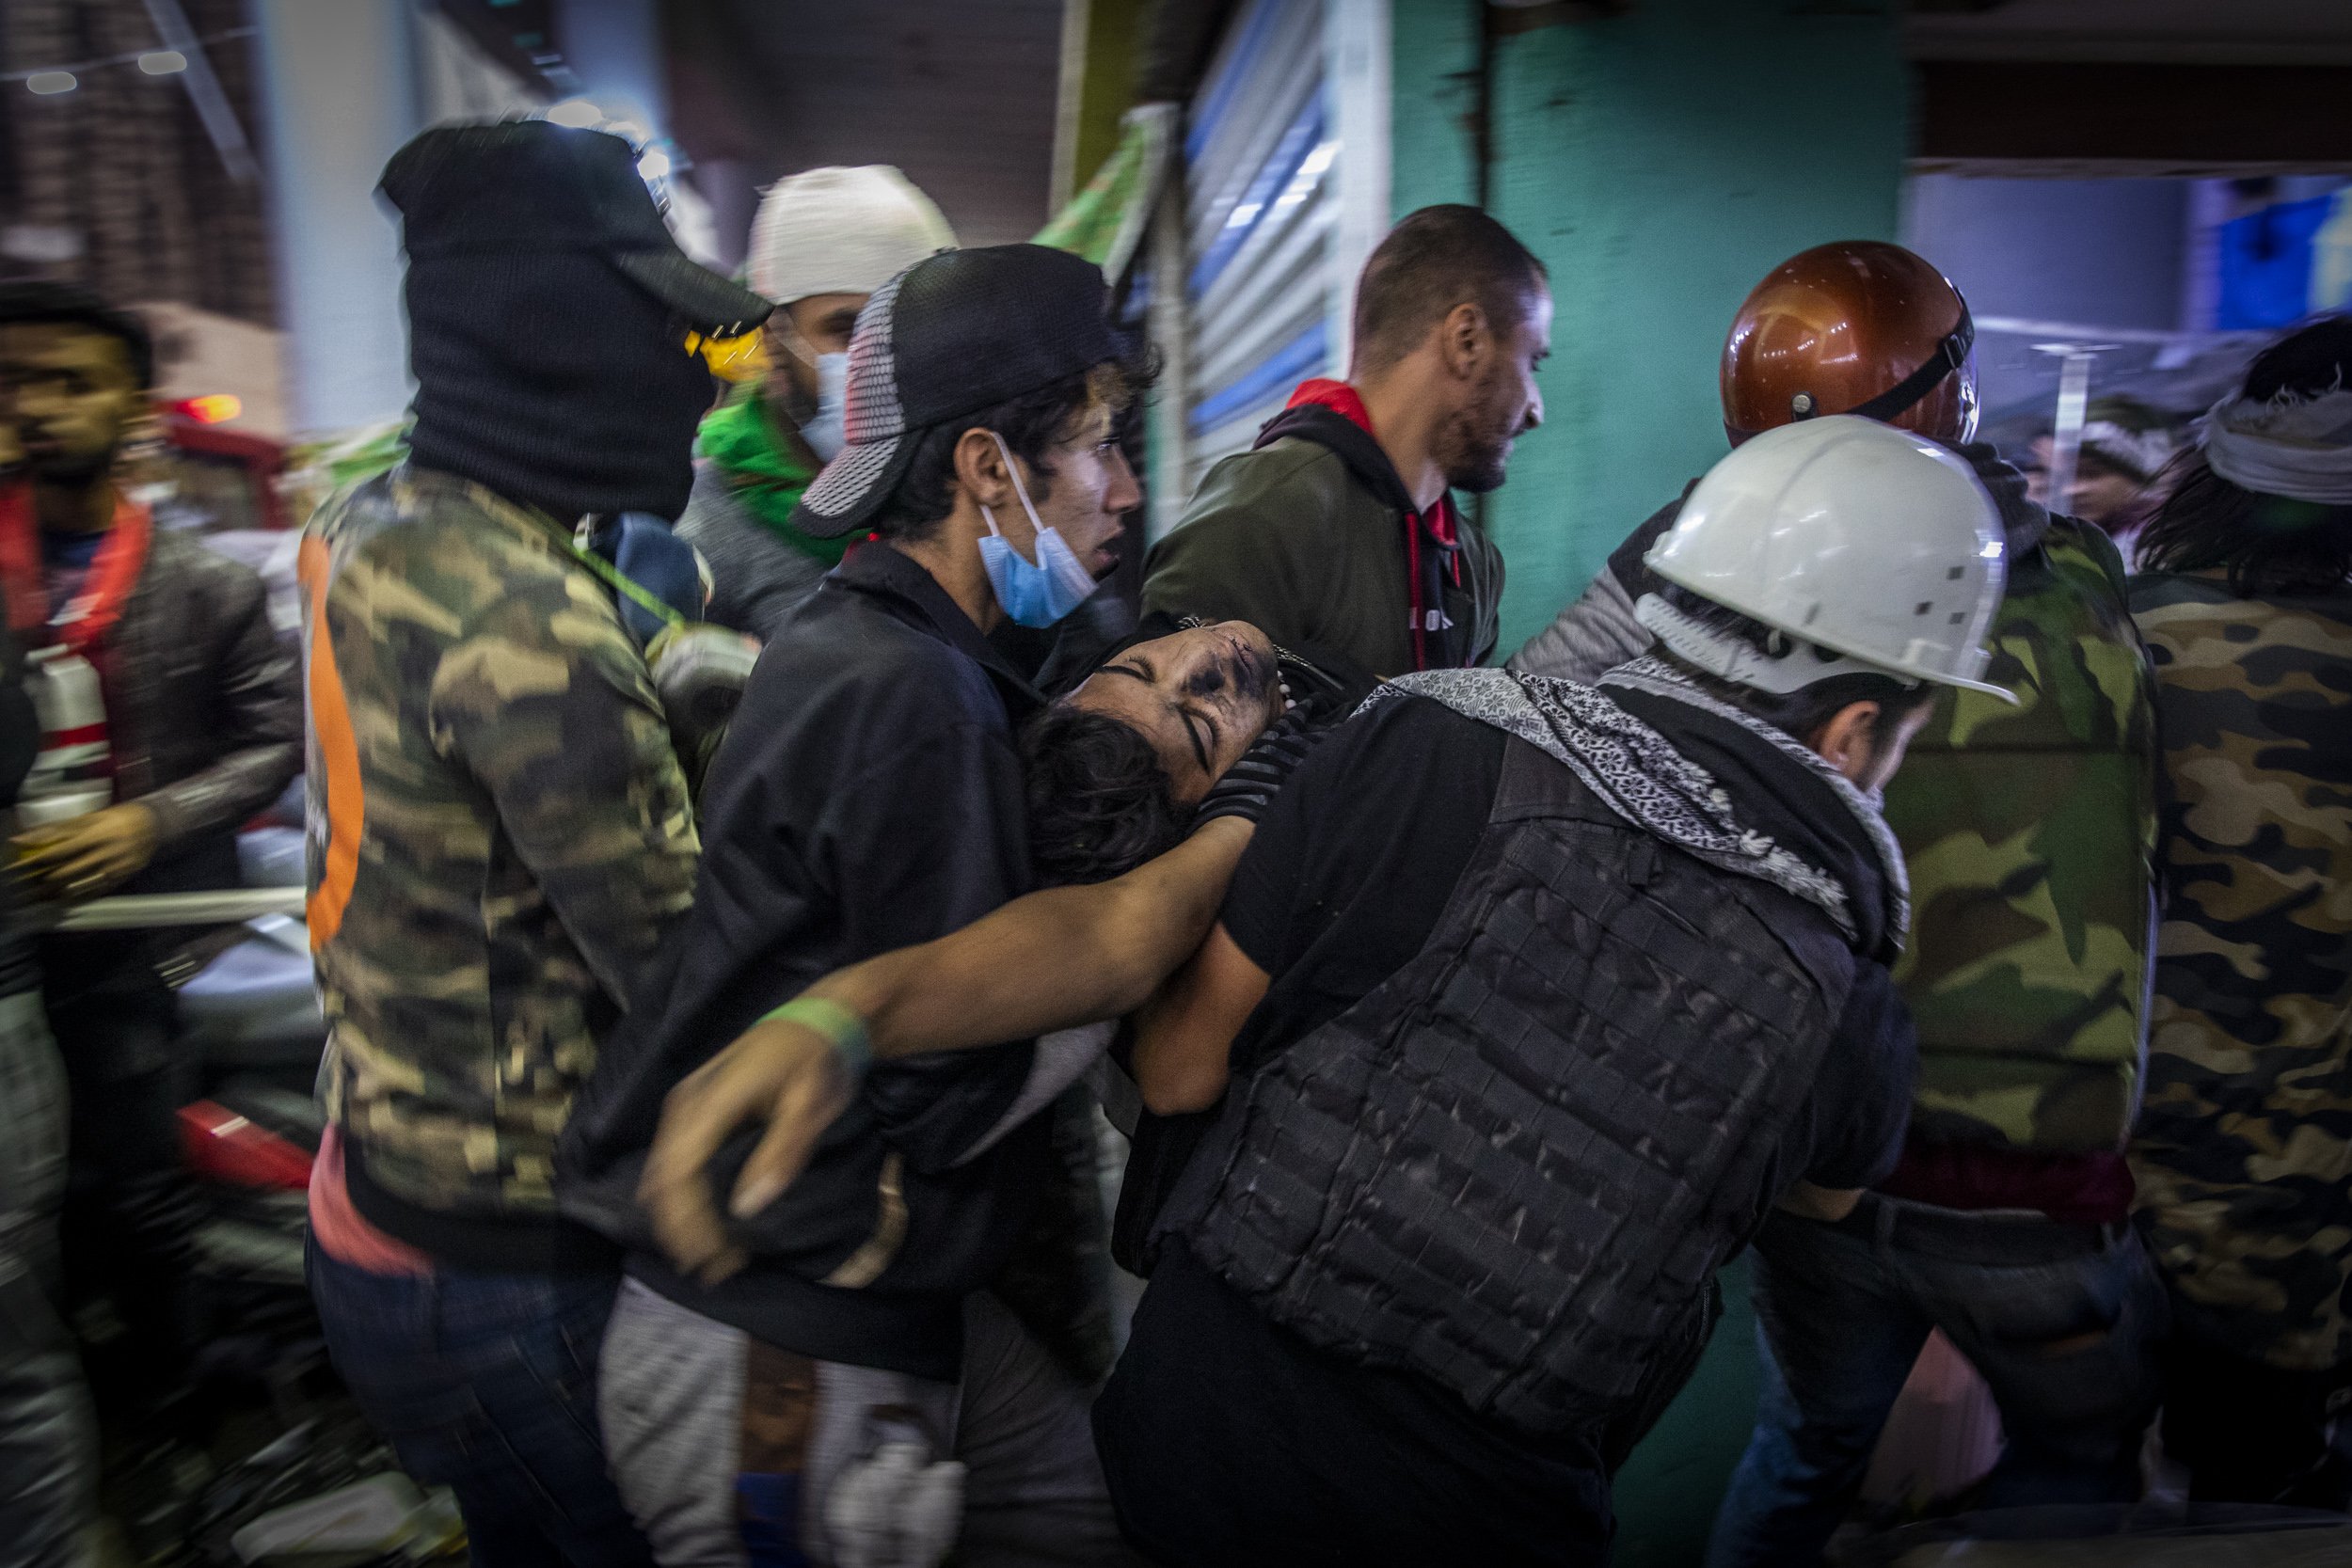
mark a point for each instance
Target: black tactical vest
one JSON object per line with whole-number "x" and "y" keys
{"x": 1512, "y": 1166}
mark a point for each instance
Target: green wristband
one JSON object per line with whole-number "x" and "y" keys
{"x": 841, "y": 1029}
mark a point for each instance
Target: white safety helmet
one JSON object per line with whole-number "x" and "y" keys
{"x": 1874, "y": 549}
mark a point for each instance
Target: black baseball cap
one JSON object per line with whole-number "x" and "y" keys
{"x": 530, "y": 187}
{"x": 953, "y": 334}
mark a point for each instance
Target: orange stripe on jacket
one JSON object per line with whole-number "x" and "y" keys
{"x": 339, "y": 751}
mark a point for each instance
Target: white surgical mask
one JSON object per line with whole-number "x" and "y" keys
{"x": 826, "y": 429}
{"x": 1034, "y": 592}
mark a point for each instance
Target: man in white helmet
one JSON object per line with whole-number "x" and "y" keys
{"x": 1527, "y": 1001}
{"x": 822, "y": 242}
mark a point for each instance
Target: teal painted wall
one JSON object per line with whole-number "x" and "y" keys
{"x": 1667, "y": 1492}
{"x": 1659, "y": 162}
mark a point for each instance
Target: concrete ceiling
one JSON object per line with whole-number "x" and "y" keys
{"x": 961, "y": 95}
{"x": 2204, "y": 32}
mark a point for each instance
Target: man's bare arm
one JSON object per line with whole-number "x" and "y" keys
{"x": 1053, "y": 959}
{"x": 1050, "y": 961}
{"x": 1184, "y": 1039}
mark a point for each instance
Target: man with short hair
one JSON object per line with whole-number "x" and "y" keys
{"x": 1336, "y": 534}
{"x": 822, "y": 242}
{"x": 501, "y": 828}
{"x": 851, "y": 1361}
{"x": 169, "y": 717}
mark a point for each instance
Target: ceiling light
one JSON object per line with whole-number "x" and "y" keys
{"x": 655, "y": 163}
{"x": 48, "y": 82}
{"x": 163, "y": 62}
{"x": 577, "y": 113}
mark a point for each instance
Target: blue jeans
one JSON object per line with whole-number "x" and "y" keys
{"x": 2063, "y": 1321}
{"x": 487, "y": 1384}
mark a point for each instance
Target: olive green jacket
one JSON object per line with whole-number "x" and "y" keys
{"x": 1289, "y": 539}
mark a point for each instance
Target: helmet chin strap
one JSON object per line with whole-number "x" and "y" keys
{"x": 1741, "y": 662}
{"x": 1945, "y": 359}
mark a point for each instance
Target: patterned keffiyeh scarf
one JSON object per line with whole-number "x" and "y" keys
{"x": 1639, "y": 774}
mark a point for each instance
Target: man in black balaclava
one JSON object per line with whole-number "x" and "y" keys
{"x": 500, "y": 826}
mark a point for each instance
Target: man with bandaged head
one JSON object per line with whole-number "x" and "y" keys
{"x": 2242, "y": 1150}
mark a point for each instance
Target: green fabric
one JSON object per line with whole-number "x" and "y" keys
{"x": 764, "y": 472}
{"x": 1104, "y": 222}
{"x": 2030, "y": 833}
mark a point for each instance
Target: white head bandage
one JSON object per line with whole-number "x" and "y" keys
{"x": 2141, "y": 451}
{"x": 2299, "y": 448}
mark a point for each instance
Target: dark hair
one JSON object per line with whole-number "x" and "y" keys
{"x": 1099, "y": 801}
{"x": 1032, "y": 424}
{"x": 35, "y": 302}
{"x": 1431, "y": 261}
{"x": 2266, "y": 544}
{"x": 1803, "y": 711}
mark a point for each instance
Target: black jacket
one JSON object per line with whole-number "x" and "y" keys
{"x": 868, "y": 796}
{"x": 203, "y": 707}
{"x": 204, "y": 715}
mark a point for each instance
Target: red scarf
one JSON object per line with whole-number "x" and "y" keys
{"x": 92, "y": 613}
{"x": 69, "y": 663}
{"x": 1438, "y": 521}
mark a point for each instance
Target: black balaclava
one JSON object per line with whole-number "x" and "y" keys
{"x": 554, "y": 380}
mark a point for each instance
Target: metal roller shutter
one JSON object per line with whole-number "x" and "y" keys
{"x": 1254, "y": 253}
{"x": 1259, "y": 206}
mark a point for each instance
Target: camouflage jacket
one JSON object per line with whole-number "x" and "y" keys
{"x": 2030, "y": 833}
{"x": 2243, "y": 1149}
{"x": 500, "y": 834}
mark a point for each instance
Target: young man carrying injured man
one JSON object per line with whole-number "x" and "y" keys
{"x": 867, "y": 1389}
{"x": 1498, "y": 1098}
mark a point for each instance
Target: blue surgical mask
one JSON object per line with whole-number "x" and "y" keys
{"x": 827, "y": 428}
{"x": 1034, "y": 592}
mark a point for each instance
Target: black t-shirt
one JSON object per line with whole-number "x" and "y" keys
{"x": 1354, "y": 862}
{"x": 1348, "y": 875}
